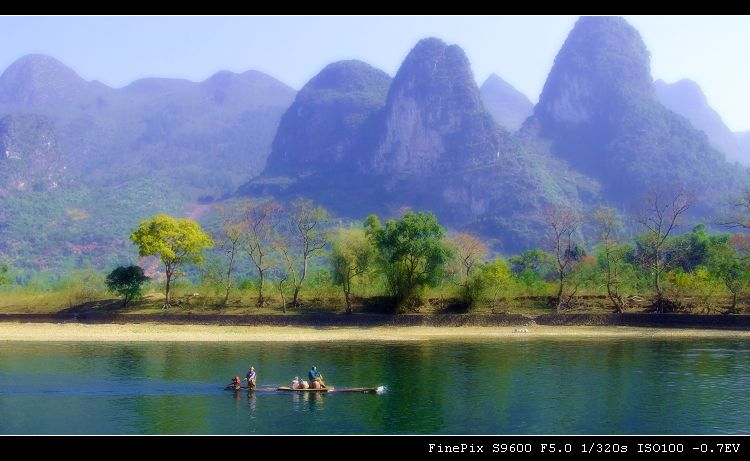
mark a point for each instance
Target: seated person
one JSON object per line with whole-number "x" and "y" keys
{"x": 316, "y": 379}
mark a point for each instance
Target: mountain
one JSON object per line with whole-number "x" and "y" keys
{"x": 743, "y": 139}
{"x": 686, "y": 98}
{"x": 509, "y": 107}
{"x": 320, "y": 130}
{"x": 36, "y": 81}
{"x": 599, "y": 113}
{"x": 30, "y": 158}
{"x": 203, "y": 138}
{"x": 154, "y": 146}
{"x": 429, "y": 144}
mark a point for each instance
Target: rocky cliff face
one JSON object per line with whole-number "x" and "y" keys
{"x": 430, "y": 145}
{"x": 30, "y": 157}
{"x": 434, "y": 120}
{"x": 508, "y": 106}
{"x": 686, "y": 98}
{"x": 325, "y": 127}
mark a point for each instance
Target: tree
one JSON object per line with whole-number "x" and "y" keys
{"x": 308, "y": 235}
{"x": 411, "y": 252}
{"x": 469, "y": 252}
{"x": 176, "y": 242}
{"x": 727, "y": 265}
{"x": 488, "y": 280}
{"x": 261, "y": 222}
{"x": 231, "y": 236}
{"x": 352, "y": 255}
{"x": 659, "y": 216}
{"x": 126, "y": 281}
{"x": 611, "y": 254}
{"x": 3, "y": 274}
{"x": 562, "y": 224}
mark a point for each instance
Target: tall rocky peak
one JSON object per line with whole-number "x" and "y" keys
{"x": 434, "y": 119}
{"x": 325, "y": 122}
{"x": 508, "y": 106}
{"x": 599, "y": 112}
{"x": 602, "y": 66}
{"x": 30, "y": 157}
{"x": 686, "y": 98}
{"x": 37, "y": 79}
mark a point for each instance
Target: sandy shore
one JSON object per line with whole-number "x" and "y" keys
{"x": 215, "y": 333}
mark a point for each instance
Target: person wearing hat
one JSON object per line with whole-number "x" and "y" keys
{"x": 316, "y": 379}
{"x": 251, "y": 378}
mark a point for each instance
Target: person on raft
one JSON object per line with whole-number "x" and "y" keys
{"x": 251, "y": 378}
{"x": 236, "y": 383}
{"x": 316, "y": 379}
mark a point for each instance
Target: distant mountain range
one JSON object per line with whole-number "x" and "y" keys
{"x": 359, "y": 142}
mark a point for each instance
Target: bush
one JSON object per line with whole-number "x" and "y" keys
{"x": 126, "y": 282}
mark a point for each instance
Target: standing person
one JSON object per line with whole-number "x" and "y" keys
{"x": 316, "y": 379}
{"x": 251, "y": 378}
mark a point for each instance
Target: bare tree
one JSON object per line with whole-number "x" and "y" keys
{"x": 261, "y": 222}
{"x": 562, "y": 224}
{"x": 289, "y": 267}
{"x": 609, "y": 226}
{"x": 659, "y": 216}
{"x": 741, "y": 216}
{"x": 231, "y": 236}
{"x": 469, "y": 252}
{"x": 308, "y": 235}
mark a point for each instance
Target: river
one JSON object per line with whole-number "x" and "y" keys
{"x": 510, "y": 386}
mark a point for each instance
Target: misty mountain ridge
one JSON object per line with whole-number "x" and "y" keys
{"x": 686, "y": 98}
{"x": 358, "y": 142}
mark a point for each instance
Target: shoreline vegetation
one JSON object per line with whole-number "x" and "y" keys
{"x": 151, "y": 332}
{"x": 276, "y": 260}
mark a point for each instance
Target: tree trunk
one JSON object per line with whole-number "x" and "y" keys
{"x": 734, "y": 303}
{"x": 659, "y": 303}
{"x": 229, "y": 281}
{"x": 295, "y": 303}
{"x": 559, "y": 292}
{"x": 281, "y": 293}
{"x": 348, "y": 301}
{"x": 169, "y": 282}
{"x": 261, "y": 299}
{"x": 298, "y": 285}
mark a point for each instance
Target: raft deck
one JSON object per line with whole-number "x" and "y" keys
{"x": 366, "y": 390}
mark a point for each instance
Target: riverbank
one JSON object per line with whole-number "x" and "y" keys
{"x": 152, "y": 332}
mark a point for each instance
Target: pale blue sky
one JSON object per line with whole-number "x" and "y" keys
{"x": 712, "y": 50}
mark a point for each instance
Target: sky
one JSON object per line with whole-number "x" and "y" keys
{"x": 711, "y": 50}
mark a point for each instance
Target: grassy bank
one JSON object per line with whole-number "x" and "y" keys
{"x": 51, "y": 332}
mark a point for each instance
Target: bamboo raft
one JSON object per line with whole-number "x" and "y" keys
{"x": 364, "y": 390}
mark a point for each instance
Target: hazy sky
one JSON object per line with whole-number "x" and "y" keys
{"x": 712, "y": 50}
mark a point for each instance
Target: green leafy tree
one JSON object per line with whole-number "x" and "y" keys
{"x": 411, "y": 253}
{"x": 352, "y": 255}
{"x": 488, "y": 281}
{"x": 726, "y": 265}
{"x": 532, "y": 267}
{"x": 177, "y": 242}
{"x": 126, "y": 281}
{"x": 3, "y": 274}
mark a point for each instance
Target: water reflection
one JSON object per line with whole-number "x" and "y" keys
{"x": 308, "y": 401}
